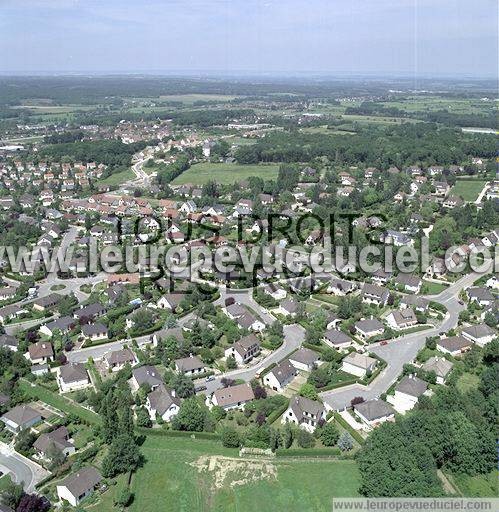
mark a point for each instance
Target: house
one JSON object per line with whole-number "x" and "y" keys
{"x": 368, "y": 328}
{"x": 41, "y": 352}
{"x": 358, "y": 364}
{"x": 244, "y": 350}
{"x": 410, "y": 283}
{"x": 340, "y": 287}
{"x": 275, "y": 291}
{"x": 162, "y": 402}
{"x": 233, "y": 397}
{"x": 72, "y": 376}
{"x": 452, "y": 201}
{"x": 396, "y": 238}
{"x": 63, "y": 325}
{"x": 374, "y": 412}
{"x": 417, "y": 303}
{"x": 480, "y": 334}
{"x": 437, "y": 268}
{"x": 8, "y": 341}
{"x": 482, "y": 296}
{"x": 374, "y": 294}
{"x": 118, "y": 359}
{"x": 20, "y": 418}
{"x": 234, "y": 310}
{"x": 250, "y": 322}
{"x": 90, "y": 312}
{"x": 191, "y": 365}
{"x": 280, "y": 376}
{"x": 76, "y": 487}
{"x": 380, "y": 276}
{"x": 337, "y": 339}
{"x": 7, "y": 293}
{"x": 304, "y": 359}
{"x": 440, "y": 366}
{"x": 39, "y": 369}
{"x": 243, "y": 207}
{"x": 94, "y": 332}
{"x": 171, "y": 301}
{"x": 407, "y": 393}
{"x": 402, "y": 319}
{"x": 305, "y": 413}
{"x": 146, "y": 375}
{"x": 454, "y": 345}
{"x": 288, "y": 307}
{"x": 188, "y": 207}
{"x": 57, "y": 439}
{"x": 46, "y": 303}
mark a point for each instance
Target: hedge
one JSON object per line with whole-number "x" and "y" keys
{"x": 274, "y": 415}
{"x": 337, "y": 385}
{"x": 349, "y": 429}
{"x": 309, "y": 452}
{"x": 177, "y": 433}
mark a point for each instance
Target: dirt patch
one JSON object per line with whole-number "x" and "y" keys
{"x": 229, "y": 472}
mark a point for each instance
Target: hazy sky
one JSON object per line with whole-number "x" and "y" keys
{"x": 404, "y": 37}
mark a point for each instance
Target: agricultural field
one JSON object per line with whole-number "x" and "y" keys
{"x": 469, "y": 190}
{"x": 225, "y": 174}
{"x": 183, "y": 474}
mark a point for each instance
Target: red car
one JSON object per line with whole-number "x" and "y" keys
{"x": 384, "y": 342}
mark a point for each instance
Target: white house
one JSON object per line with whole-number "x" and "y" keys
{"x": 79, "y": 485}
{"x": 162, "y": 402}
{"x": 280, "y": 376}
{"x": 374, "y": 412}
{"x": 232, "y": 397}
{"x": 368, "y": 328}
{"x": 72, "y": 376}
{"x": 191, "y": 365}
{"x": 358, "y": 364}
{"x": 479, "y": 334}
{"x": 407, "y": 393}
{"x": 305, "y": 413}
{"x": 401, "y": 319}
{"x": 304, "y": 359}
{"x": 244, "y": 350}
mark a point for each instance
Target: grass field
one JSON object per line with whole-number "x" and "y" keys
{"x": 172, "y": 480}
{"x": 201, "y": 173}
{"x": 5, "y": 480}
{"x": 59, "y": 402}
{"x": 430, "y": 288}
{"x": 467, "y": 189}
{"x": 467, "y": 381}
{"x": 481, "y": 486}
{"x": 117, "y": 178}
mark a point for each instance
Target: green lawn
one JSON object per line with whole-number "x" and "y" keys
{"x": 430, "y": 288}
{"x": 117, "y": 178}
{"x": 467, "y": 381}
{"x": 171, "y": 481}
{"x": 37, "y": 392}
{"x": 224, "y": 174}
{"x": 481, "y": 486}
{"x": 5, "y": 480}
{"x": 467, "y": 189}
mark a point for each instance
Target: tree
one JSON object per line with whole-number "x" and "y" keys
{"x": 124, "y": 498}
{"x": 12, "y": 494}
{"x": 33, "y": 503}
{"x": 308, "y": 391}
{"x": 230, "y": 438}
{"x": 231, "y": 363}
{"x": 305, "y": 439}
{"x": 288, "y": 435}
{"x": 24, "y": 441}
{"x": 183, "y": 386}
{"x": 191, "y": 416}
{"x": 123, "y": 455}
{"x": 345, "y": 442}
{"x": 329, "y": 434}
{"x": 143, "y": 419}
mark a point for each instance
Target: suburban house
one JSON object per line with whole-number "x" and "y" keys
{"x": 118, "y": 359}
{"x": 482, "y": 296}
{"x": 337, "y": 339}
{"x": 358, "y": 364}
{"x": 305, "y": 413}
{"x": 340, "y": 287}
{"x": 191, "y": 365}
{"x": 72, "y": 376}
{"x": 94, "y": 332}
{"x": 46, "y": 303}
{"x": 402, "y": 319}
{"x": 288, "y": 307}
{"x": 40, "y": 352}
{"x": 415, "y": 302}
{"x": 304, "y": 359}
{"x": 275, "y": 291}
{"x": 368, "y": 328}
{"x": 280, "y": 376}
{"x": 454, "y": 345}
{"x": 374, "y": 294}
{"x": 374, "y": 412}
{"x": 63, "y": 325}
{"x": 409, "y": 282}
{"x": 407, "y": 393}
{"x": 171, "y": 301}
{"x": 20, "y": 418}
{"x": 8, "y": 341}
{"x": 440, "y": 366}
{"x": 480, "y": 334}
{"x": 57, "y": 439}
{"x": 232, "y": 397}
{"x": 244, "y": 350}
{"x": 146, "y": 375}
{"x": 162, "y": 402}
{"x": 79, "y": 485}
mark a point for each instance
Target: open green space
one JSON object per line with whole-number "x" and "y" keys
{"x": 480, "y": 486}
{"x": 467, "y": 381}
{"x": 117, "y": 178}
{"x": 432, "y": 288}
{"x": 5, "y": 481}
{"x": 469, "y": 190}
{"x": 201, "y": 173}
{"x": 173, "y": 479}
{"x": 37, "y": 392}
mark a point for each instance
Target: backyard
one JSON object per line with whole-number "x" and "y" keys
{"x": 469, "y": 190}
